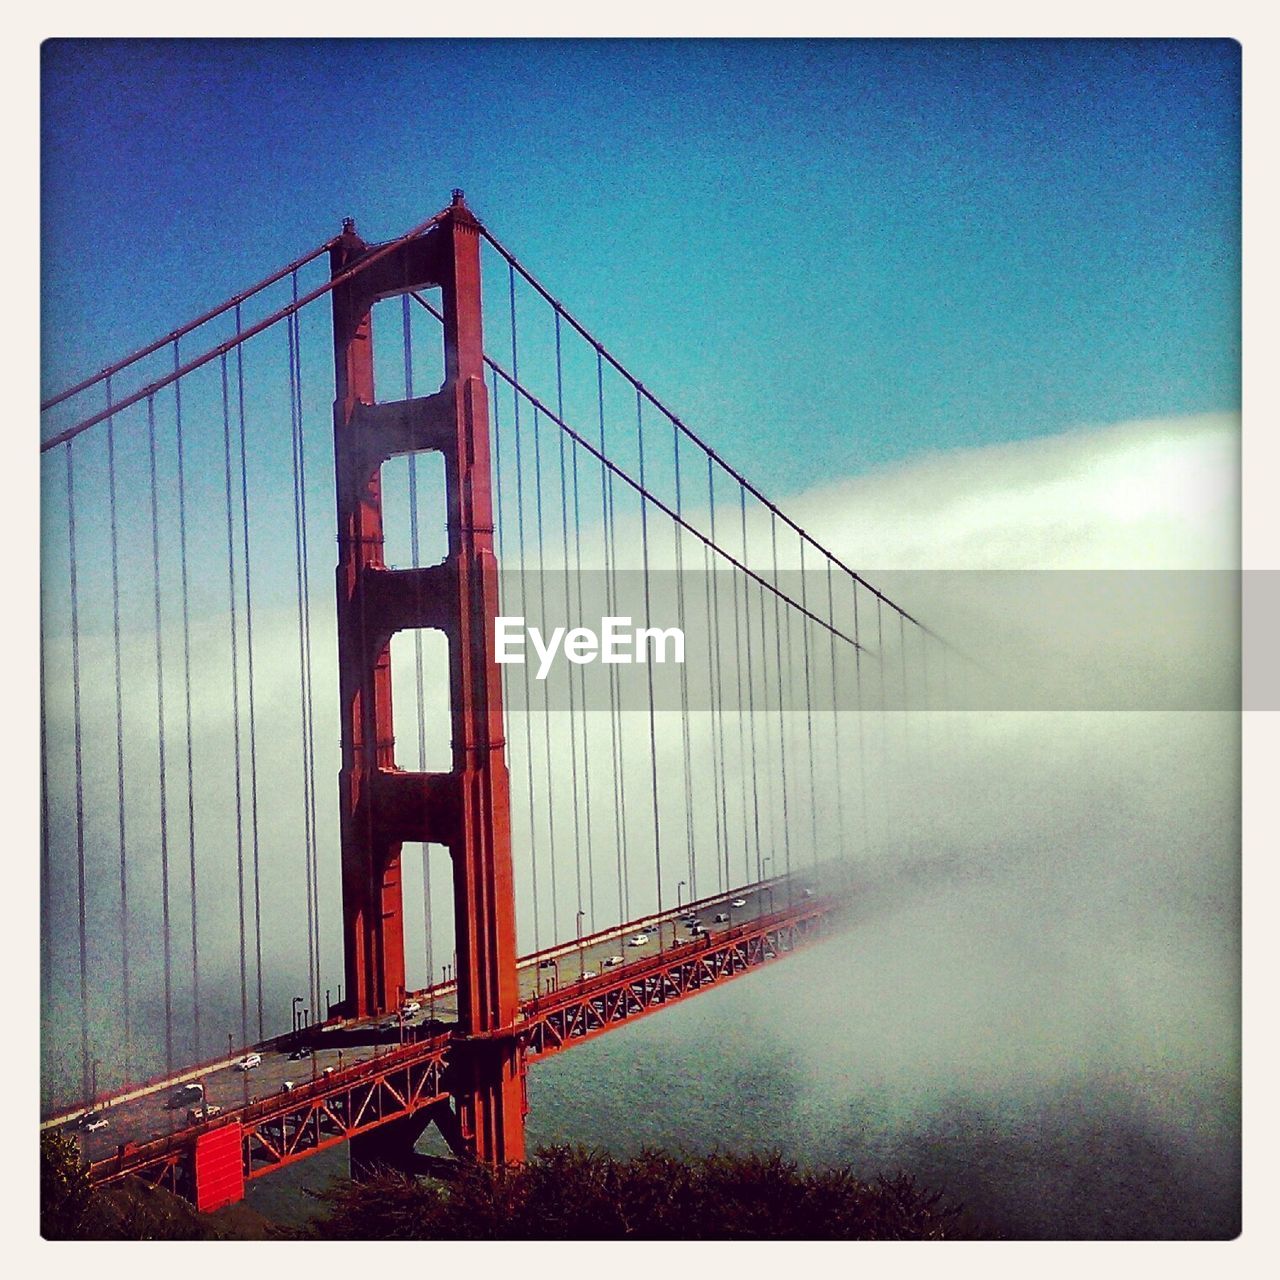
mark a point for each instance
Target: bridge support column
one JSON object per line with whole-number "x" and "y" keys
{"x": 217, "y": 1168}
{"x": 381, "y": 805}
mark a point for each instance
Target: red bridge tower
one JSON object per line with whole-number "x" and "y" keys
{"x": 382, "y": 805}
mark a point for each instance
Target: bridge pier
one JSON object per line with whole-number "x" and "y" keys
{"x": 391, "y": 1146}
{"x": 217, "y": 1169}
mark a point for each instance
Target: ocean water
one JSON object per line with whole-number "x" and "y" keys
{"x": 825, "y": 1059}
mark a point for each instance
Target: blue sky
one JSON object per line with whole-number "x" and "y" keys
{"x": 825, "y": 255}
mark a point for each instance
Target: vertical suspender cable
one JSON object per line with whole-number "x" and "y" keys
{"x": 766, "y": 745}
{"x": 502, "y": 561}
{"x": 75, "y": 692}
{"x": 582, "y": 693}
{"x": 235, "y": 685}
{"x": 782, "y": 702}
{"x": 714, "y": 578}
{"x": 906, "y": 734}
{"x": 249, "y": 672}
{"x": 808, "y": 711}
{"x": 884, "y": 725}
{"x": 581, "y": 673}
{"x": 125, "y": 983}
{"x": 686, "y": 745}
{"x": 528, "y": 704}
{"x": 751, "y": 695}
{"x": 862, "y": 736}
{"x": 653, "y": 733}
{"x": 925, "y": 735}
{"x": 790, "y": 696}
{"x": 310, "y": 759}
{"x": 304, "y": 693}
{"x": 549, "y": 799}
{"x": 836, "y": 714}
{"x": 46, "y": 881}
{"x": 615, "y": 714}
{"x": 713, "y": 722}
{"x": 573, "y": 713}
{"x": 715, "y": 734}
{"x": 742, "y": 735}
{"x": 186, "y": 694}
{"x": 164, "y": 814}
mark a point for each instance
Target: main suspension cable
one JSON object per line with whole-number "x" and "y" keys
{"x": 235, "y": 301}
{"x": 514, "y": 264}
{"x": 243, "y": 335}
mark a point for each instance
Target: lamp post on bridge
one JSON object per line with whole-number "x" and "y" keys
{"x": 679, "y": 890}
{"x": 297, "y": 1000}
{"x": 581, "y": 964}
{"x": 764, "y": 863}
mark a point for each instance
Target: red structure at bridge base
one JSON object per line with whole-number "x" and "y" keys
{"x": 218, "y": 1168}
{"x": 381, "y": 804}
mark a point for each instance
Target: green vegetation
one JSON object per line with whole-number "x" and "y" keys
{"x": 563, "y": 1193}
{"x": 567, "y": 1193}
{"x": 71, "y": 1210}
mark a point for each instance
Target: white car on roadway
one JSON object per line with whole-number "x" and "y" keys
{"x": 410, "y": 1007}
{"x": 249, "y": 1061}
{"x": 588, "y": 973}
{"x": 93, "y": 1121}
{"x": 637, "y": 939}
{"x": 738, "y": 902}
{"x": 612, "y": 962}
{"x": 199, "y": 1114}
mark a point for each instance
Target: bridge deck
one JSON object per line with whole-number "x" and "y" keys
{"x": 364, "y": 1073}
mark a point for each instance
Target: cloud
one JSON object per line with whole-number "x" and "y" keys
{"x": 1079, "y": 868}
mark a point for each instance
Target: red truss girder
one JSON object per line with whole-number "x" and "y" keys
{"x": 582, "y": 1010}
{"x": 315, "y": 1123}
{"x": 289, "y": 1127}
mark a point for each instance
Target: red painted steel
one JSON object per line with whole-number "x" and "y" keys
{"x": 218, "y": 1169}
{"x": 286, "y": 1128}
{"x": 580, "y": 1011}
{"x": 382, "y": 805}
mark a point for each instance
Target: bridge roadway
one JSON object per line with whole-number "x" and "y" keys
{"x": 140, "y": 1114}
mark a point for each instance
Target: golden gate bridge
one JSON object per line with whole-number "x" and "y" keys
{"x": 617, "y": 840}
